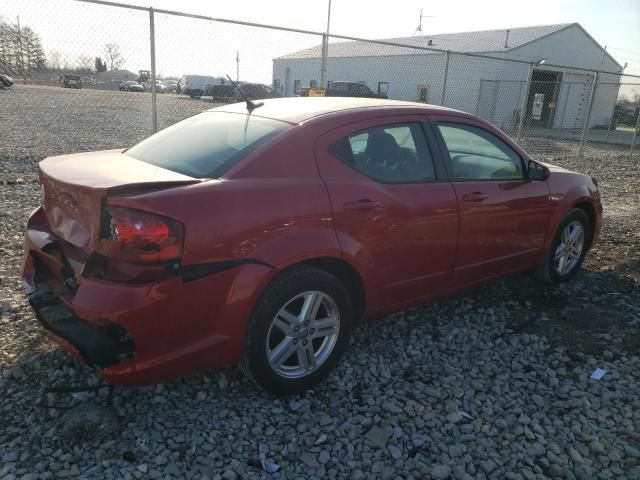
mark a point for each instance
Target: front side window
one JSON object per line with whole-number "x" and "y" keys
{"x": 208, "y": 144}
{"x": 395, "y": 153}
{"x": 475, "y": 154}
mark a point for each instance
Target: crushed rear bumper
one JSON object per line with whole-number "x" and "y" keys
{"x": 103, "y": 345}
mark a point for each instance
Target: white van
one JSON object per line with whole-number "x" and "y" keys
{"x": 194, "y": 85}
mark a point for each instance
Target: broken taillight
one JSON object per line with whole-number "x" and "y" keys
{"x": 138, "y": 236}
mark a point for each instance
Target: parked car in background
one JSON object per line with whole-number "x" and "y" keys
{"x": 172, "y": 85}
{"x": 258, "y": 91}
{"x": 224, "y": 92}
{"x": 194, "y": 85}
{"x": 161, "y": 88}
{"x": 327, "y": 210}
{"x": 351, "y": 89}
{"x": 625, "y": 115}
{"x": 71, "y": 81}
{"x": 6, "y": 81}
{"x": 228, "y": 93}
{"x": 131, "y": 86}
{"x": 345, "y": 89}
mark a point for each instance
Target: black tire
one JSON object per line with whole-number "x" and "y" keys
{"x": 548, "y": 272}
{"x": 285, "y": 287}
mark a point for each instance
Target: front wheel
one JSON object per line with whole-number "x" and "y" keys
{"x": 568, "y": 248}
{"x": 298, "y": 331}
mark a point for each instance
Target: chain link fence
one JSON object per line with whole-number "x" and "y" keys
{"x": 130, "y": 70}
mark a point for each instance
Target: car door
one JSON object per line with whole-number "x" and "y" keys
{"x": 503, "y": 215}
{"x": 395, "y": 214}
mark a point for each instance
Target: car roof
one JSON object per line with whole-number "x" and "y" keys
{"x": 300, "y": 109}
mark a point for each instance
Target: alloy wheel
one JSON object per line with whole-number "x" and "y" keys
{"x": 568, "y": 253}
{"x": 303, "y": 334}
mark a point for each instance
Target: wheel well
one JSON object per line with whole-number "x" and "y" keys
{"x": 587, "y": 208}
{"x": 349, "y": 277}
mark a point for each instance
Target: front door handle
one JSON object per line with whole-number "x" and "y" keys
{"x": 475, "y": 197}
{"x": 361, "y": 205}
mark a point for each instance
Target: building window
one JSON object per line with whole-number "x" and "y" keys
{"x": 383, "y": 88}
{"x": 313, "y": 83}
{"x": 296, "y": 87}
{"x": 276, "y": 84}
{"x": 422, "y": 94}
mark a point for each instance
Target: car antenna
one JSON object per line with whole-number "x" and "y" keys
{"x": 251, "y": 106}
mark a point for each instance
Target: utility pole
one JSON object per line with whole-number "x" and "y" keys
{"x": 20, "y": 59}
{"x": 152, "y": 43}
{"x": 325, "y": 50}
{"x": 419, "y": 28}
{"x": 237, "y": 65}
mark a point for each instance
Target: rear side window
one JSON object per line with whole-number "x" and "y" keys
{"x": 208, "y": 144}
{"x": 396, "y": 153}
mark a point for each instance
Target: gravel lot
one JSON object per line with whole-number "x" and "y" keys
{"x": 492, "y": 384}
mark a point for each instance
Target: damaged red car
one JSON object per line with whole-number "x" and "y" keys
{"x": 258, "y": 234}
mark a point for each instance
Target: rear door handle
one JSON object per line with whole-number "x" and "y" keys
{"x": 475, "y": 197}
{"x": 361, "y": 205}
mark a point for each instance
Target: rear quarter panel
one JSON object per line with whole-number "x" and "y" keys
{"x": 272, "y": 207}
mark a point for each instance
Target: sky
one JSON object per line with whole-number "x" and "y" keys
{"x": 183, "y": 45}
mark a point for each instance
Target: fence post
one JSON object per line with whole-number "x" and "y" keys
{"x": 585, "y": 127}
{"x": 635, "y": 134}
{"x": 152, "y": 42}
{"x": 444, "y": 79}
{"x": 323, "y": 63}
{"x": 525, "y": 96}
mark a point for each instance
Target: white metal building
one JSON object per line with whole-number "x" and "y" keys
{"x": 493, "y": 89}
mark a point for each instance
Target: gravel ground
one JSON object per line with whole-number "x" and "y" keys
{"x": 491, "y": 384}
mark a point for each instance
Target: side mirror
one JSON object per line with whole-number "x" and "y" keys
{"x": 537, "y": 172}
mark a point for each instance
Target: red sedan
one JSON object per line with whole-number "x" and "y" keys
{"x": 259, "y": 234}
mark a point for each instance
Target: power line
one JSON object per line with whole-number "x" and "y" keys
{"x": 623, "y": 50}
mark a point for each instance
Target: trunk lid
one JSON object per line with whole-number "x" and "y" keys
{"x": 75, "y": 186}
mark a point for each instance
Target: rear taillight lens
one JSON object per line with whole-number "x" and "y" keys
{"x": 139, "y": 236}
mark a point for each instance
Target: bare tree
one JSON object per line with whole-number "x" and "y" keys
{"x": 54, "y": 59}
{"x": 114, "y": 57}
{"x": 85, "y": 63}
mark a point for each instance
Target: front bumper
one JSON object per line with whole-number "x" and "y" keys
{"x": 138, "y": 334}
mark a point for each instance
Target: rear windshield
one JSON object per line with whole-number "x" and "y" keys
{"x": 208, "y": 144}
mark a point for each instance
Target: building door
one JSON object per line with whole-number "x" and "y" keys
{"x": 572, "y": 100}
{"x": 422, "y": 94}
{"x": 287, "y": 81}
{"x": 543, "y": 98}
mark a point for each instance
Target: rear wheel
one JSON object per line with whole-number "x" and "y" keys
{"x": 298, "y": 331}
{"x": 568, "y": 248}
